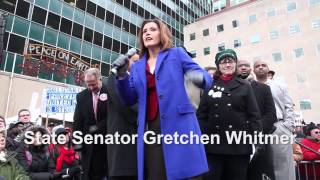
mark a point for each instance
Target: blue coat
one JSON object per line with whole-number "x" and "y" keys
{"x": 175, "y": 111}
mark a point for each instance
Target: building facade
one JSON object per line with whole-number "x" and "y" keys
{"x": 285, "y": 33}
{"x": 51, "y": 41}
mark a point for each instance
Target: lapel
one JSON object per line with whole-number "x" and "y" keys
{"x": 141, "y": 70}
{"x": 101, "y": 104}
{"x": 160, "y": 59}
{"x": 90, "y": 104}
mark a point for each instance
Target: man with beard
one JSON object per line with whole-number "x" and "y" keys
{"x": 262, "y": 163}
{"x": 283, "y": 153}
{"x": 90, "y": 117}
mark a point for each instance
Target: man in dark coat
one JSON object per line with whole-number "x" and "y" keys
{"x": 263, "y": 97}
{"x": 122, "y": 158}
{"x": 90, "y": 117}
{"x": 262, "y": 163}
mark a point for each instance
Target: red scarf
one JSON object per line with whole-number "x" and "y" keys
{"x": 65, "y": 155}
{"x": 226, "y": 78}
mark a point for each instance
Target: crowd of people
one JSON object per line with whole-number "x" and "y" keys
{"x": 163, "y": 90}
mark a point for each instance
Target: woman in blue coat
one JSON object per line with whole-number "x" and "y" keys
{"x": 156, "y": 83}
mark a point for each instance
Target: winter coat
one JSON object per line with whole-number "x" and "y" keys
{"x": 11, "y": 170}
{"x": 176, "y": 112}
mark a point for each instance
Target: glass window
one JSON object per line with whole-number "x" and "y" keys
{"x": 96, "y": 52}
{"x": 39, "y": 15}
{"x": 220, "y": 28}
{"x": 107, "y": 42}
{"x": 206, "y": 51}
{"x": 67, "y": 11}
{"x": 276, "y": 56}
{"x": 316, "y": 24}
{"x": 75, "y": 45}
{"x": 36, "y": 32}
{"x": 108, "y": 29}
{"x": 115, "y": 45}
{"x": 63, "y": 41}
{"x": 252, "y": 18}
{"x": 117, "y": 21}
{"x": 55, "y": 6}
{"x": 236, "y": 43}
{"x": 53, "y": 21}
{"x": 89, "y": 21}
{"x": 298, "y": 52}
{"x": 88, "y": 34}
{"x": 192, "y": 36}
{"x": 81, "y": 5}
{"x": 77, "y": 30}
{"x": 221, "y": 46}
{"x": 291, "y": 6}
{"x": 19, "y": 63}
{"x": 305, "y": 104}
{"x": 78, "y": 16}
{"x": 100, "y": 12}
{"x": 23, "y": 9}
{"x": 271, "y": 12}
{"x": 99, "y": 25}
{"x": 116, "y": 34}
{"x": 86, "y": 49}
{"x": 106, "y": 55}
{"x": 42, "y": 3}
{"x": 9, "y": 22}
{"x": 235, "y": 23}
{"x": 9, "y": 62}
{"x": 301, "y": 77}
{"x": 295, "y": 28}
{"x": 16, "y": 44}
{"x": 114, "y": 56}
{"x": 205, "y": 32}
{"x": 132, "y": 40}
{"x": 50, "y": 36}
{"x": 318, "y": 49}
{"x": 105, "y": 69}
{"x": 109, "y": 17}
{"x": 274, "y": 34}
{"x": 91, "y": 8}
{"x": 9, "y": 7}
{"x": 21, "y": 26}
{"x": 98, "y": 37}
{"x": 255, "y": 39}
{"x": 314, "y": 2}
{"x": 65, "y": 26}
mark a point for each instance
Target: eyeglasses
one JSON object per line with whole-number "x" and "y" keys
{"x": 227, "y": 61}
{"x": 24, "y": 115}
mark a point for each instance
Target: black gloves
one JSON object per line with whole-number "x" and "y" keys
{"x": 55, "y": 176}
{"x": 74, "y": 170}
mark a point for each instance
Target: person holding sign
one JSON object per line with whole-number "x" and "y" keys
{"x": 90, "y": 117}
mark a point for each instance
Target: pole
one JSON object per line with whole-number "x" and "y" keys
{"x": 10, "y": 86}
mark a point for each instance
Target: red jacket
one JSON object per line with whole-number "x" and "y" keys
{"x": 310, "y": 156}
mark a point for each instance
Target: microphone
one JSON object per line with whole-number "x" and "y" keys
{"x": 121, "y": 57}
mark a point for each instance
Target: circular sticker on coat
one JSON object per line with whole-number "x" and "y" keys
{"x": 103, "y": 97}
